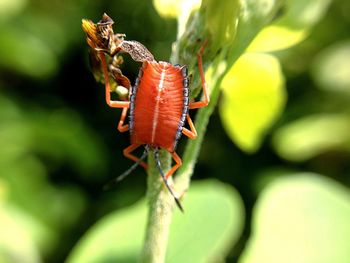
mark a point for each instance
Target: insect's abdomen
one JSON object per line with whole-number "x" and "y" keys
{"x": 159, "y": 104}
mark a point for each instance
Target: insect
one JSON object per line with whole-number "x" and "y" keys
{"x": 158, "y": 102}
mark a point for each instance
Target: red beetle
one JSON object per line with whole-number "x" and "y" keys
{"x": 158, "y": 103}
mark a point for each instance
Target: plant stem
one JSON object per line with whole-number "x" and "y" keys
{"x": 161, "y": 205}
{"x": 222, "y": 52}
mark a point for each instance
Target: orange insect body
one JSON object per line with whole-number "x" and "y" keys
{"x": 159, "y": 100}
{"x": 158, "y": 105}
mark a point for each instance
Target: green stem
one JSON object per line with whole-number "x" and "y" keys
{"x": 221, "y": 53}
{"x": 192, "y": 149}
{"x": 161, "y": 205}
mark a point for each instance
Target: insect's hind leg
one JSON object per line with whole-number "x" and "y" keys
{"x": 127, "y": 172}
{"x": 127, "y": 153}
{"x": 177, "y": 164}
{"x": 169, "y": 173}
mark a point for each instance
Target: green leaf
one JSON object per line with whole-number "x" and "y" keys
{"x": 115, "y": 238}
{"x": 303, "y": 14}
{"x": 10, "y": 8}
{"x": 175, "y": 8}
{"x": 253, "y": 99}
{"x": 312, "y": 135}
{"x": 300, "y": 218}
{"x": 59, "y": 136}
{"x": 16, "y": 242}
{"x": 118, "y": 237}
{"x": 212, "y": 223}
{"x": 276, "y": 37}
{"x": 221, "y": 19}
{"x": 293, "y": 26}
{"x": 23, "y": 52}
{"x": 61, "y": 133}
{"x": 336, "y": 56}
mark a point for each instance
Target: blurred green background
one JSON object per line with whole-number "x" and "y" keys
{"x": 280, "y": 155}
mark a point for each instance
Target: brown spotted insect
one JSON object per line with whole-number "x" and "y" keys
{"x": 158, "y": 102}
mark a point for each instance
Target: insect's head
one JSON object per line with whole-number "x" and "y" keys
{"x": 100, "y": 36}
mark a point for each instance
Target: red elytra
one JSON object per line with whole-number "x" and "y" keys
{"x": 158, "y": 106}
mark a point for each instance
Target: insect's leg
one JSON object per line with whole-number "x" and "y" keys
{"x": 121, "y": 126}
{"x": 192, "y": 133}
{"x": 177, "y": 164}
{"x": 205, "y": 101}
{"x": 165, "y": 178}
{"x": 127, "y": 153}
{"x": 114, "y": 181}
{"x": 111, "y": 103}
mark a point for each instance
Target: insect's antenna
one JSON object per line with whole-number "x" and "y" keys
{"x": 114, "y": 181}
{"x": 156, "y": 157}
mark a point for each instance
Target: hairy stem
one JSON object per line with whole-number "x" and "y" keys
{"x": 161, "y": 205}
{"x": 208, "y": 24}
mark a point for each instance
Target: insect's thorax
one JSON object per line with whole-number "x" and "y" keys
{"x": 159, "y": 104}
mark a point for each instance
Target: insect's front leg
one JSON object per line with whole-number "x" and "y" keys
{"x": 120, "y": 80}
{"x": 111, "y": 103}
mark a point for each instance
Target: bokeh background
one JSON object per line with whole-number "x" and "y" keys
{"x": 286, "y": 184}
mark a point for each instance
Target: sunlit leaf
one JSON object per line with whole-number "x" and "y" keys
{"x": 331, "y": 68}
{"x": 49, "y": 209}
{"x": 16, "y": 242}
{"x": 293, "y": 26}
{"x": 300, "y": 218}
{"x": 9, "y": 8}
{"x": 253, "y": 99}
{"x": 175, "y": 8}
{"x": 273, "y": 38}
{"x": 118, "y": 237}
{"x": 206, "y": 240}
{"x": 313, "y": 135}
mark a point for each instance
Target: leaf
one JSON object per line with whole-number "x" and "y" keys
{"x": 16, "y": 243}
{"x": 312, "y": 135}
{"x": 175, "y": 8}
{"x": 221, "y": 20}
{"x": 300, "y": 218}
{"x": 253, "y": 99}
{"x": 10, "y": 8}
{"x": 204, "y": 235}
{"x": 293, "y": 26}
{"x": 27, "y": 139}
{"x": 303, "y": 14}
{"x": 252, "y": 16}
{"x": 32, "y": 57}
{"x": 62, "y": 135}
{"x": 336, "y": 56}
{"x": 274, "y": 37}
{"x": 118, "y": 237}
